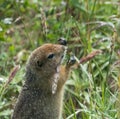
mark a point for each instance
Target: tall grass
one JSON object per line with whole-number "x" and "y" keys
{"x": 92, "y": 90}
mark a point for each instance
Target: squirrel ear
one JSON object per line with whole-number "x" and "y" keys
{"x": 39, "y": 64}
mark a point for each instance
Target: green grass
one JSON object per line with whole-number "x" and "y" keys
{"x": 92, "y": 90}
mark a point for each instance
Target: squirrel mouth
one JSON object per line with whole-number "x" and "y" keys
{"x": 61, "y": 60}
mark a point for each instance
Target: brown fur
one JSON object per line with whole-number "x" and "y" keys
{"x": 36, "y": 100}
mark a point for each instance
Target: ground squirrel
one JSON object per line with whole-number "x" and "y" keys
{"x": 42, "y": 94}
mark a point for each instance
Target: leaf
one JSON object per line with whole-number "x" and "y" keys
{"x": 2, "y": 39}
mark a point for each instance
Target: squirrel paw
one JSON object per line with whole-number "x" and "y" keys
{"x": 62, "y": 41}
{"x": 71, "y": 61}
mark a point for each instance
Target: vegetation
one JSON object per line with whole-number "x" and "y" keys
{"x": 92, "y": 92}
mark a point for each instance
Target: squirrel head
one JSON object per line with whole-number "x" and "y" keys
{"x": 44, "y": 62}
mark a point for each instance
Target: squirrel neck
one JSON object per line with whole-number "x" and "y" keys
{"x": 37, "y": 82}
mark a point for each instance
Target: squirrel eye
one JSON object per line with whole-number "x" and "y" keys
{"x": 50, "y": 56}
{"x": 39, "y": 64}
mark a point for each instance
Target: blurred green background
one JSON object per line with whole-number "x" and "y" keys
{"x": 92, "y": 92}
